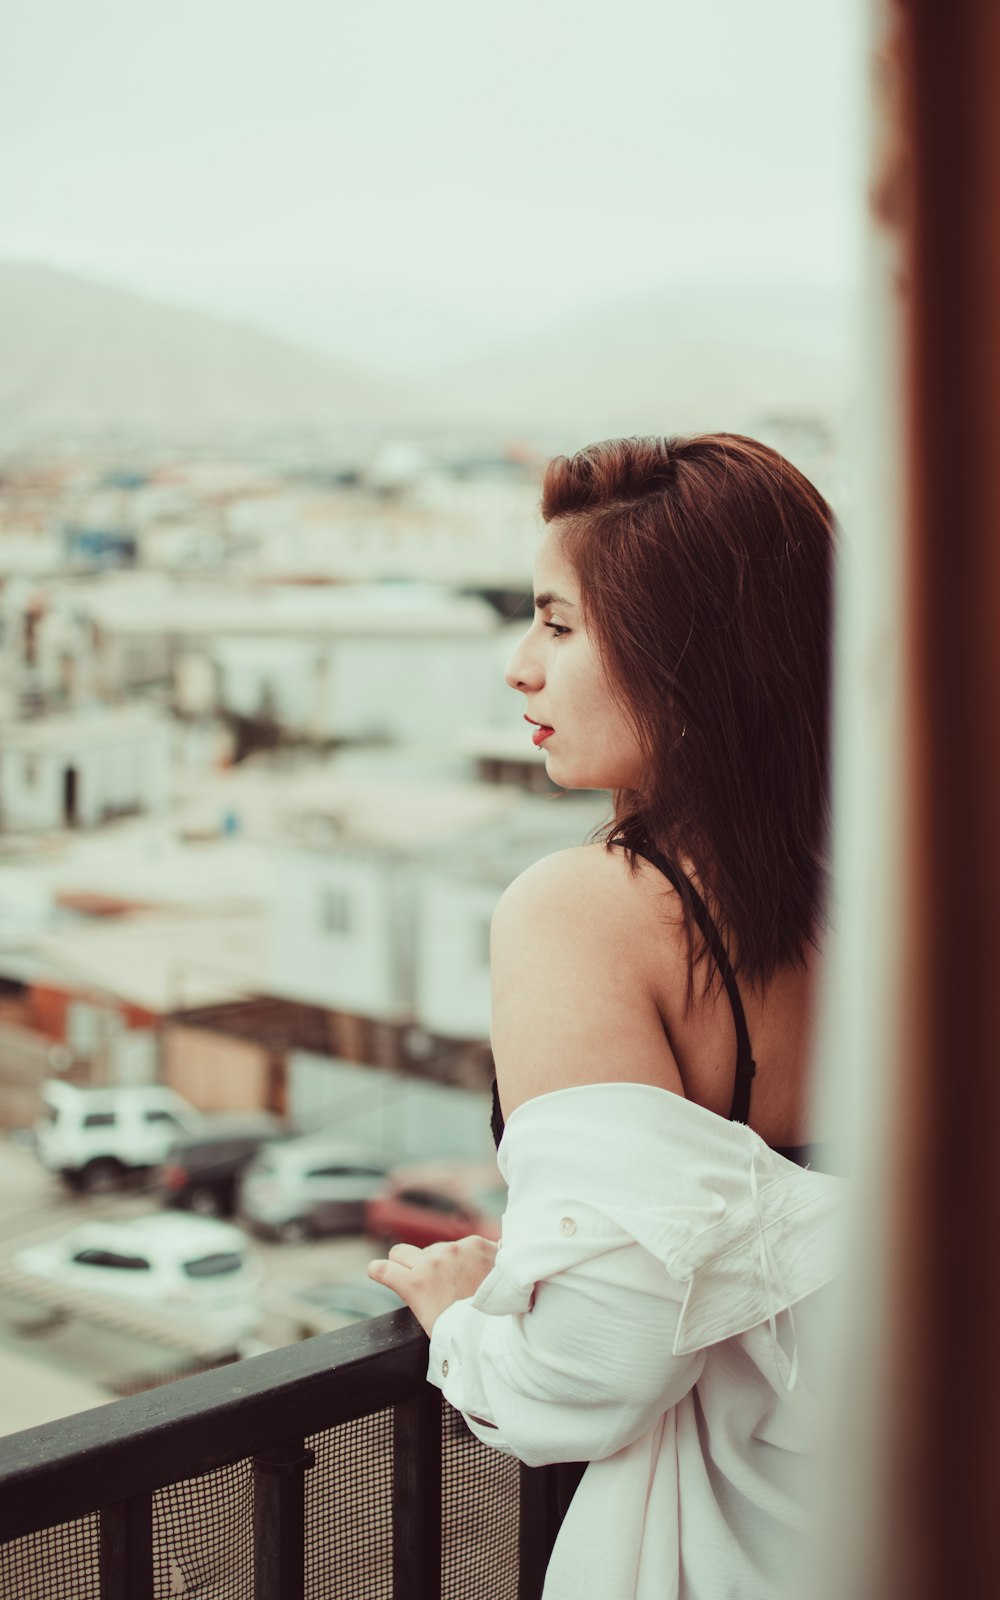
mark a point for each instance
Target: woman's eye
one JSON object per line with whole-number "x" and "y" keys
{"x": 557, "y": 629}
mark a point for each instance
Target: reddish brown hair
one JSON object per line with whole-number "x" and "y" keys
{"x": 705, "y": 568}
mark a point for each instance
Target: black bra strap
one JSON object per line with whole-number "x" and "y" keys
{"x": 746, "y": 1067}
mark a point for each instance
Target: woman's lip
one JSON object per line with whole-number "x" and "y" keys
{"x": 541, "y": 733}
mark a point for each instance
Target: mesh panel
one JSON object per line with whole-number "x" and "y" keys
{"x": 479, "y": 1516}
{"x": 203, "y": 1536}
{"x": 203, "y": 1527}
{"x": 349, "y": 1511}
{"x": 54, "y": 1564}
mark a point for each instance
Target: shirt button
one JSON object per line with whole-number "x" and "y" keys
{"x": 444, "y": 1369}
{"x": 567, "y": 1225}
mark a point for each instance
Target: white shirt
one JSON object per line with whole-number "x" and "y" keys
{"x": 639, "y": 1317}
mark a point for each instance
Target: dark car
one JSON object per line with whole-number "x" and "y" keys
{"x": 202, "y": 1170}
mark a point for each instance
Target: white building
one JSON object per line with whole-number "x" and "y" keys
{"x": 80, "y": 771}
{"x": 441, "y": 527}
{"x": 459, "y": 893}
{"x": 345, "y": 911}
{"x": 388, "y": 915}
{"x": 390, "y": 662}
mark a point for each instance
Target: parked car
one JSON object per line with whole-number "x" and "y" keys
{"x": 436, "y": 1201}
{"x": 202, "y": 1170}
{"x": 311, "y": 1185}
{"x": 95, "y": 1138}
{"x": 193, "y": 1268}
{"x": 324, "y": 1307}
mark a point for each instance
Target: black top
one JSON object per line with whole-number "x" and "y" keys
{"x": 746, "y": 1067}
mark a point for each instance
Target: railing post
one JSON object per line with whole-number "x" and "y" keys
{"x": 126, "y": 1549}
{"x": 279, "y": 1521}
{"x": 416, "y": 1497}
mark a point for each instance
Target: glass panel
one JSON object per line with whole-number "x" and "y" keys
{"x": 110, "y": 1258}
{"x": 429, "y": 1201}
{"x": 213, "y": 1266}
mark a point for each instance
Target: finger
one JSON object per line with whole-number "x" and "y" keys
{"x": 406, "y": 1254}
{"x": 390, "y": 1273}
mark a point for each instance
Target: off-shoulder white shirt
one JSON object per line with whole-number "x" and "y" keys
{"x": 640, "y": 1317}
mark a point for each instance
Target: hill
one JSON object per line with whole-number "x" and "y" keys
{"x": 85, "y": 360}
{"x": 676, "y": 360}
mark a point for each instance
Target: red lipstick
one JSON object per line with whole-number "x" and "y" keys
{"x": 542, "y": 730}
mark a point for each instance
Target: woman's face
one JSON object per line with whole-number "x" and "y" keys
{"x": 558, "y": 670}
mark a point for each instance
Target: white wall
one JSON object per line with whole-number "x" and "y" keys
{"x": 407, "y": 688}
{"x": 134, "y": 1056}
{"x": 30, "y": 801}
{"x": 408, "y": 1117}
{"x": 412, "y": 689}
{"x": 118, "y": 774}
{"x": 334, "y": 930}
{"x": 26, "y": 908}
{"x": 452, "y": 957}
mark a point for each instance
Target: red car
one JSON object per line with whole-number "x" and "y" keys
{"x": 436, "y": 1201}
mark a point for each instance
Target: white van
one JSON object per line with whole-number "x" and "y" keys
{"x": 95, "y": 1137}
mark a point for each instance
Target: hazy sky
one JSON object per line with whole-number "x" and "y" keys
{"x": 404, "y": 180}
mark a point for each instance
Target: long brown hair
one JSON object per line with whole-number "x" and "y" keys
{"x": 705, "y": 568}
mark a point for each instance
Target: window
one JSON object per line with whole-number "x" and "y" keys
{"x": 160, "y": 1116}
{"x": 213, "y": 1266}
{"x": 428, "y": 1201}
{"x": 335, "y": 911}
{"x": 346, "y": 1172}
{"x": 100, "y": 1119}
{"x": 110, "y": 1258}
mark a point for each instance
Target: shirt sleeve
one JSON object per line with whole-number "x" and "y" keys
{"x": 581, "y": 1371}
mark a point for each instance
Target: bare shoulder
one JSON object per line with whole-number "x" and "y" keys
{"x": 591, "y": 894}
{"x": 573, "y": 1001}
{"x": 586, "y": 873}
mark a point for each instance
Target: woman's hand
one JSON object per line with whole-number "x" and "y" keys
{"x": 430, "y": 1280}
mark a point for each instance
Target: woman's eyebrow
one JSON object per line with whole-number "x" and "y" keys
{"x": 549, "y": 599}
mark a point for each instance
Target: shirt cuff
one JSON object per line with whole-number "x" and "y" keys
{"x": 454, "y": 1366}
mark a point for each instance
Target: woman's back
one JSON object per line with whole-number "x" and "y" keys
{"x": 703, "y": 1036}
{"x": 636, "y": 918}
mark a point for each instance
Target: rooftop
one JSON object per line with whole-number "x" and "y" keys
{"x": 163, "y": 962}
{"x": 98, "y": 727}
{"x": 330, "y": 610}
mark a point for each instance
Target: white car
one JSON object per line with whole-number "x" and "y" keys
{"x": 95, "y": 1137}
{"x": 195, "y": 1270}
{"x": 298, "y": 1188}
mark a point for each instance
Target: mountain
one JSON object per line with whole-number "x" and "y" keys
{"x": 84, "y": 360}
{"x": 688, "y": 358}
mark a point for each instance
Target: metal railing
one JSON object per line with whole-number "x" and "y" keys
{"x": 89, "y": 1504}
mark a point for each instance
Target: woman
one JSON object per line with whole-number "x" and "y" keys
{"x": 655, "y": 1307}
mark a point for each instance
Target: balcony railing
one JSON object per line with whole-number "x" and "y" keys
{"x": 329, "y": 1470}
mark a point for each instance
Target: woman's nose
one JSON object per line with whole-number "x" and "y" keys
{"x": 523, "y": 671}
